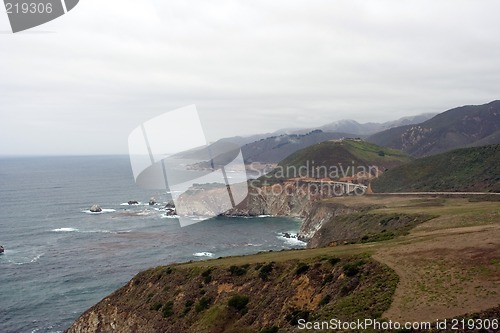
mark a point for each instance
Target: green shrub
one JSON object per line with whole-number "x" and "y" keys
{"x": 187, "y": 307}
{"x": 238, "y": 270}
{"x": 203, "y": 304}
{"x": 168, "y": 309}
{"x": 327, "y": 279}
{"x": 325, "y": 300}
{"x": 156, "y": 306}
{"x": 334, "y": 261}
{"x": 207, "y": 272}
{"x": 273, "y": 329}
{"x": 265, "y": 271}
{"x": 301, "y": 268}
{"x": 352, "y": 269}
{"x": 294, "y": 317}
{"x": 344, "y": 290}
{"x": 238, "y": 302}
{"x": 207, "y": 277}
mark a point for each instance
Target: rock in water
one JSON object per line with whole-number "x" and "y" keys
{"x": 95, "y": 209}
{"x": 133, "y": 202}
{"x": 152, "y": 201}
{"x": 1, "y": 249}
{"x": 170, "y": 212}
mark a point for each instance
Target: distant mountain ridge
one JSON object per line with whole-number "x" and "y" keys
{"x": 274, "y": 147}
{"x": 270, "y": 150}
{"x": 465, "y": 126}
{"x": 354, "y": 127}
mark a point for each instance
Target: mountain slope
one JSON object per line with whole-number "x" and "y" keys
{"x": 455, "y": 128}
{"x": 339, "y": 158}
{"x": 468, "y": 169}
{"x": 267, "y": 150}
{"x": 362, "y": 129}
{"x": 276, "y": 148}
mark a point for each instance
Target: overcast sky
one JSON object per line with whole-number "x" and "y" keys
{"x": 81, "y": 83}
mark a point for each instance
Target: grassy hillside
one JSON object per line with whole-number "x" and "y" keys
{"x": 342, "y": 157}
{"x": 468, "y": 169}
{"x": 456, "y": 128}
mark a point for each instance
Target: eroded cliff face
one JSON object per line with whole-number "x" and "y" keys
{"x": 321, "y": 213}
{"x": 285, "y": 199}
{"x": 289, "y": 198}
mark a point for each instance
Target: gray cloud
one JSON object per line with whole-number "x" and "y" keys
{"x": 249, "y": 66}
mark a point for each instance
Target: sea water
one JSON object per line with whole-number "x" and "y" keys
{"x": 60, "y": 258}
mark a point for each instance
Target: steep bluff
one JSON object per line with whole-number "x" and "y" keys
{"x": 219, "y": 296}
{"x": 288, "y": 198}
{"x": 321, "y": 213}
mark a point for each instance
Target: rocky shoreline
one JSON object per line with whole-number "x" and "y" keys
{"x": 296, "y": 201}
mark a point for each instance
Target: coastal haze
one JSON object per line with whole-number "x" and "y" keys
{"x": 75, "y": 87}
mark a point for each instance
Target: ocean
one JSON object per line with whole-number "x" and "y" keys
{"x": 60, "y": 259}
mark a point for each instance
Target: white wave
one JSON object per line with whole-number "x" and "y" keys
{"x": 104, "y": 210}
{"x": 65, "y": 230}
{"x": 35, "y": 259}
{"x": 249, "y": 217}
{"x": 292, "y": 241}
{"x": 203, "y": 254}
{"x": 251, "y": 244}
{"x": 123, "y": 232}
{"x": 82, "y": 231}
{"x": 144, "y": 213}
{"x": 198, "y": 218}
{"x": 99, "y": 232}
{"x": 165, "y": 216}
{"x": 25, "y": 260}
{"x": 127, "y": 204}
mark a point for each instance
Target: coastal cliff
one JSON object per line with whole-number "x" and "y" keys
{"x": 283, "y": 199}
{"x": 259, "y": 295}
{"x": 287, "y": 198}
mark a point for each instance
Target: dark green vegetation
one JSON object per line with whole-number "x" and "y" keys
{"x": 239, "y": 303}
{"x": 469, "y": 169}
{"x": 353, "y": 287}
{"x": 337, "y": 159}
{"x": 365, "y": 228}
{"x": 471, "y": 125}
